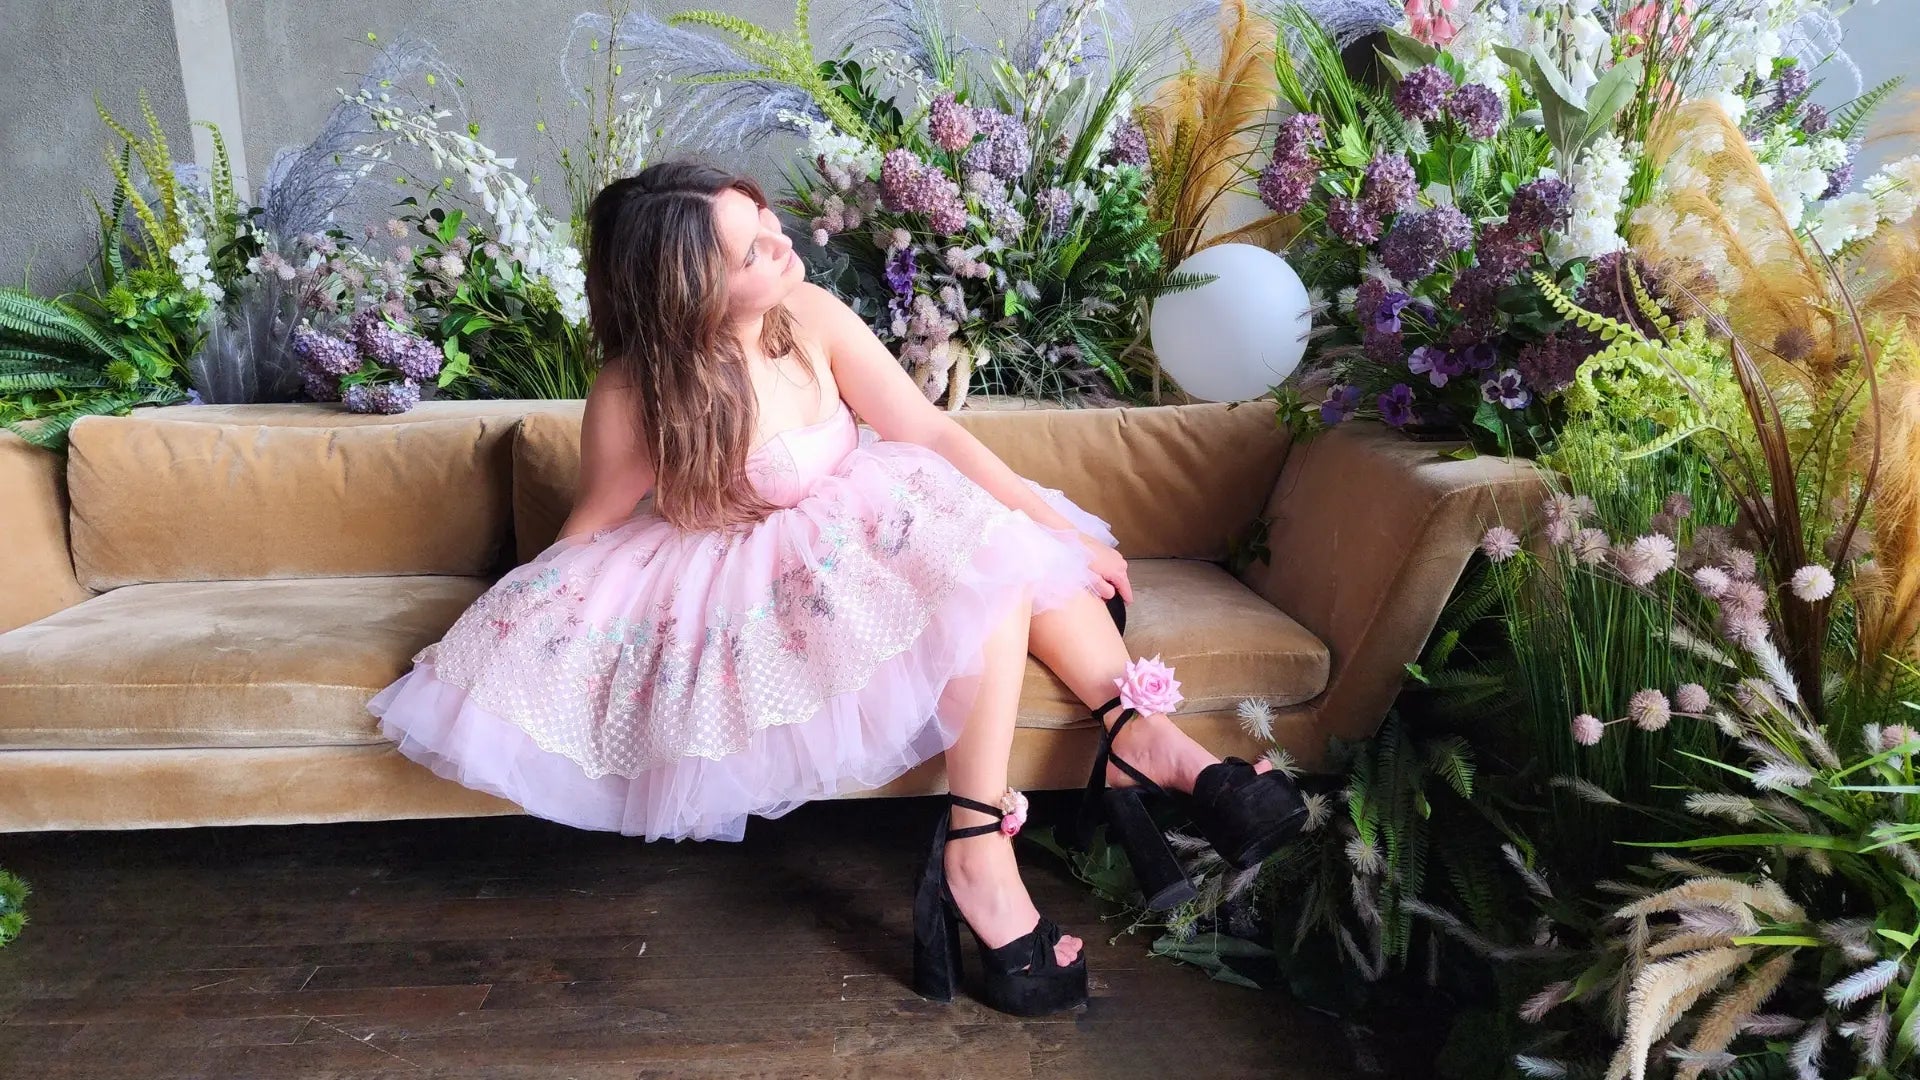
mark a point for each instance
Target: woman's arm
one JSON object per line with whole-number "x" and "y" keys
{"x": 616, "y": 471}
{"x": 880, "y": 391}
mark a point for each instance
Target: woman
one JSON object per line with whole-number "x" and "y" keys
{"x": 803, "y": 609}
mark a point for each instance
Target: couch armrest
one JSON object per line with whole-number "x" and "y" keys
{"x": 1369, "y": 533}
{"x": 36, "y": 565}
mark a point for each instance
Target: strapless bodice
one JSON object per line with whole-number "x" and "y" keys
{"x": 786, "y": 466}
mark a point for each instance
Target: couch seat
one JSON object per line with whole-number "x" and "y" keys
{"x": 293, "y": 662}
{"x": 220, "y": 663}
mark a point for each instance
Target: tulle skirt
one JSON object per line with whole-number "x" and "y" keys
{"x": 665, "y": 683}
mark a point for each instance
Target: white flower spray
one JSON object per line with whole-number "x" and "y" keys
{"x": 519, "y": 223}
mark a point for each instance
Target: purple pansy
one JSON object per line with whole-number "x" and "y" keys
{"x": 1386, "y": 316}
{"x": 1396, "y": 405}
{"x": 1507, "y": 389}
{"x": 1431, "y": 361}
{"x": 1341, "y": 403}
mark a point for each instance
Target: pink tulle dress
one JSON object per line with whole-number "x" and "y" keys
{"x": 666, "y": 683}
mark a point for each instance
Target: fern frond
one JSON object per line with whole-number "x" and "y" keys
{"x": 1451, "y": 758}
{"x": 220, "y": 184}
{"x": 1850, "y": 119}
{"x": 1563, "y": 305}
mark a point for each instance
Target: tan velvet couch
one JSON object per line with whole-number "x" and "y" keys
{"x": 197, "y": 601}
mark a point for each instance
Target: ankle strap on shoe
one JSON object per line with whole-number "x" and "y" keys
{"x": 1106, "y": 755}
{"x": 1007, "y": 817}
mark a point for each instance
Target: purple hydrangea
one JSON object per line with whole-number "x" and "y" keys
{"x": 1504, "y": 250}
{"x": 418, "y": 359}
{"x": 1541, "y": 205}
{"x": 1419, "y": 240}
{"x": 1792, "y": 83}
{"x": 1284, "y": 187}
{"x": 324, "y": 354}
{"x": 1341, "y": 403}
{"x": 1388, "y": 185}
{"x": 1129, "y": 146}
{"x": 1004, "y": 150}
{"x": 1507, "y": 389}
{"x": 1548, "y": 366}
{"x": 1055, "y": 208}
{"x": 1286, "y": 183}
{"x": 1396, "y": 405}
{"x": 1350, "y": 221}
{"x": 1607, "y": 290}
{"x": 319, "y": 385}
{"x": 1423, "y": 93}
{"x": 382, "y": 397}
{"x": 1300, "y": 135}
{"x": 1839, "y": 179}
{"x": 951, "y": 124}
{"x": 1815, "y": 119}
{"x": 1473, "y": 298}
{"x": 907, "y": 185}
{"x": 1477, "y": 109}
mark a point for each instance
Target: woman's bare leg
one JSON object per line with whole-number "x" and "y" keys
{"x": 1078, "y": 642}
{"x": 981, "y": 871}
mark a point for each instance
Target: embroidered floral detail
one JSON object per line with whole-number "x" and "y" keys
{"x": 666, "y": 656}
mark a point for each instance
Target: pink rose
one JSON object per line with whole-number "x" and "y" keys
{"x": 1149, "y": 687}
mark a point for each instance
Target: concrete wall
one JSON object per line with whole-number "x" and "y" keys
{"x": 54, "y": 56}
{"x": 1880, "y": 40}
{"x": 270, "y": 68}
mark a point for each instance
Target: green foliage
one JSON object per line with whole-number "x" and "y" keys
{"x": 13, "y": 907}
{"x": 59, "y": 363}
{"x": 1850, "y": 120}
{"x": 500, "y": 328}
{"x": 787, "y": 58}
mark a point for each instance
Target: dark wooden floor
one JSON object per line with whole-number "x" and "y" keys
{"x": 512, "y": 948}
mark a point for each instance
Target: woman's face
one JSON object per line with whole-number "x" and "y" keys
{"x": 762, "y": 267}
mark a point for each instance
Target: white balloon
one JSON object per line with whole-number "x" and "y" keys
{"x": 1238, "y": 336}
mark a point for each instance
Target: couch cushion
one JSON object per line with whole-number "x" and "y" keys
{"x": 546, "y": 470}
{"x": 229, "y": 663}
{"x": 177, "y": 500}
{"x": 1225, "y": 643}
{"x": 1176, "y": 482}
{"x": 288, "y": 663}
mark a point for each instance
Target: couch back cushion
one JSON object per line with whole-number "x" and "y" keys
{"x": 218, "y": 499}
{"x": 1179, "y": 481}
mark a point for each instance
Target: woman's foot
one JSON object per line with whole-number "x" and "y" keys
{"x": 986, "y": 886}
{"x": 1155, "y": 745}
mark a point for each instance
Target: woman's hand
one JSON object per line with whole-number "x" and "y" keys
{"x": 1110, "y": 568}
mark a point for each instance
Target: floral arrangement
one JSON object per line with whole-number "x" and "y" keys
{"x": 1513, "y": 142}
{"x": 990, "y": 220}
{"x": 377, "y": 368}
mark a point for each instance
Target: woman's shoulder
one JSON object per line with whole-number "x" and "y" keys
{"x": 818, "y": 312}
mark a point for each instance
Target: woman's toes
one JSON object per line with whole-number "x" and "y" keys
{"x": 1066, "y": 950}
{"x": 1263, "y": 766}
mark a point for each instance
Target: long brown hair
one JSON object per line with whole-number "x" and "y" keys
{"x": 657, "y": 294}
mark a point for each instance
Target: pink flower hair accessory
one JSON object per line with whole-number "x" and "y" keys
{"x": 1149, "y": 687}
{"x": 1013, "y": 810}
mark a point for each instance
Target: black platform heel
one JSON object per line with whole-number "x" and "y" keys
{"x": 1022, "y": 977}
{"x": 1245, "y": 815}
{"x": 1130, "y": 822}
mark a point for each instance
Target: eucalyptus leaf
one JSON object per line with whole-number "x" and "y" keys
{"x": 1611, "y": 94}
{"x": 1411, "y": 50}
{"x": 1400, "y": 68}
